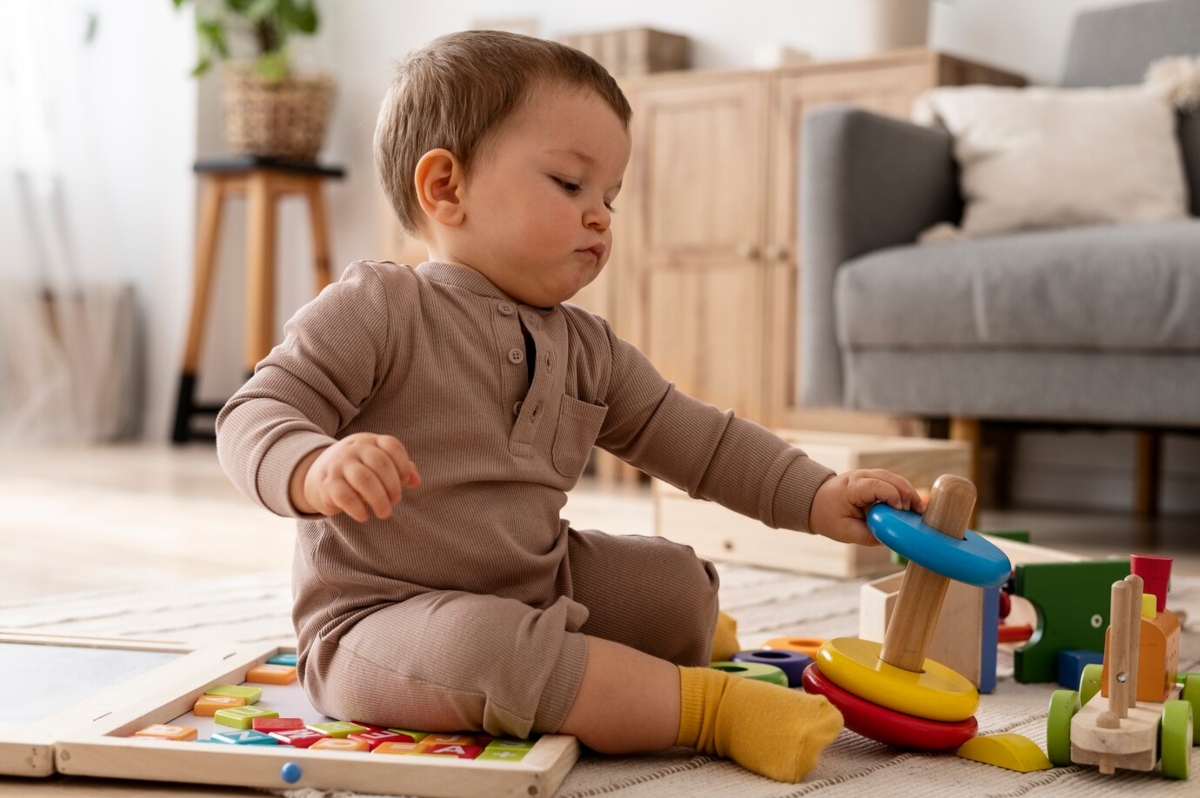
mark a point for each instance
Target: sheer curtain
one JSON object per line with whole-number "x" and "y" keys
{"x": 69, "y": 359}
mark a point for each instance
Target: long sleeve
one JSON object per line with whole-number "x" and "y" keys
{"x": 308, "y": 389}
{"x": 710, "y": 454}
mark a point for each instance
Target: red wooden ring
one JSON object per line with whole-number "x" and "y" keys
{"x": 888, "y": 726}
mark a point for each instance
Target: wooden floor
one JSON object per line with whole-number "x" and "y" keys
{"x": 92, "y": 518}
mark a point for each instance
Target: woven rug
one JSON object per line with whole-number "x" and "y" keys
{"x": 766, "y": 604}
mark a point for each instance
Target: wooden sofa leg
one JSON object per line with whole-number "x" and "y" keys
{"x": 1148, "y": 445}
{"x": 969, "y": 430}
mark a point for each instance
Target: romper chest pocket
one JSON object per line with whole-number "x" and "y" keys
{"x": 578, "y": 426}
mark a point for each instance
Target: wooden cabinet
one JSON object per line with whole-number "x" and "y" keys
{"x": 705, "y": 276}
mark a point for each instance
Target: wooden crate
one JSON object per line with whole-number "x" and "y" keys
{"x": 717, "y": 533}
{"x": 634, "y": 51}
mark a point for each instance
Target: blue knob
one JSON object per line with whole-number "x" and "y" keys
{"x": 290, "y": 772}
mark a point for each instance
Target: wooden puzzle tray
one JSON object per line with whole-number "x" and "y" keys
{"x": 118, "y": 687}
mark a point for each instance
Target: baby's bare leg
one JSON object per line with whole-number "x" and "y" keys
{"x": 627, "y": 702}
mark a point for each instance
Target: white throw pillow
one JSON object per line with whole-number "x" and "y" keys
{"x": 1044, "y": 157}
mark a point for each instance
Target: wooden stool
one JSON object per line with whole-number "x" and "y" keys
{"x": 262, "y": 181}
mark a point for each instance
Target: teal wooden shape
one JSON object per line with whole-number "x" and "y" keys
{"x": 283, "y": 659}
{"x": 1072, "y": 601}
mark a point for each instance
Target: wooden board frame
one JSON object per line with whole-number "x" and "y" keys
{"x": 92, "y": 739}
{"x": 28, "y": 749}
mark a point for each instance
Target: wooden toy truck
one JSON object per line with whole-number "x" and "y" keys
{"x": 1131, "y": 713}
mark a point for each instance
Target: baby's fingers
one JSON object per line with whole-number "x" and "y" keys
{"x": 346, "y": 498}
{"x": 865, "y": 491}
{"x": 910, "y": 499}
{"x": 370, "y": 489}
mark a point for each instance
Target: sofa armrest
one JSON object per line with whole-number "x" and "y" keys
{"x": 866, "y": 182}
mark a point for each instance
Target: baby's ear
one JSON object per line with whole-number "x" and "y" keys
{"x": 438, "y": 180}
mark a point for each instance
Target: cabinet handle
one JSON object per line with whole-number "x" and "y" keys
{"x": 776, "y": 251}
{"x": 746, "y": 250}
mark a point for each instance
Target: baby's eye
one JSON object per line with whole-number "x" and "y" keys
{"x": 568, "y": 187}
{"x": 610, "y": 207}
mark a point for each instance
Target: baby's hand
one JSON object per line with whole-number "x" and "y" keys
{"x": 358, "y": 474}
{"x": 839, "y": 507}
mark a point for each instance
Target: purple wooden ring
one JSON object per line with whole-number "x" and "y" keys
{"x": 792, "y": 663}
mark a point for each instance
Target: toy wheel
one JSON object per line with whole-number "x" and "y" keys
{"x": 1191, "y": 694}
{"x": 1063, "y": 706}
{"x": 1089, "y": 682}
{"x": 1176, "y": 738}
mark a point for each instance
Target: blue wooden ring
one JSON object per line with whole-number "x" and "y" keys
{"x": 792, "y": 663}
{"x": 973, "y": 559}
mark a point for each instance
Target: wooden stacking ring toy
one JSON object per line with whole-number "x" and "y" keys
{"x": 792, "y": 663}
{"x": 895, "y": 675}
{"x": 885, "y": 725}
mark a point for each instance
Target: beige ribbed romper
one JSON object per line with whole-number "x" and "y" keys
{"x": 467, "y": 609}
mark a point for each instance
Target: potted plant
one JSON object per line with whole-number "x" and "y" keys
{"x": 270, "y": 110}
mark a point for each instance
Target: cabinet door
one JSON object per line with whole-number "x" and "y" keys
{"x": 697, "y": 226}
{"x": 886, "y": 87}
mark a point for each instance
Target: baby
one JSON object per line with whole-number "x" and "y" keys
{"x": 424, "y": 426}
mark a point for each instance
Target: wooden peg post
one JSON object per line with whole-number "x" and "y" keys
{"x": 1135, "y": 635}
{"x": 1118, "y": 652}
{"x": 951, "y": 502}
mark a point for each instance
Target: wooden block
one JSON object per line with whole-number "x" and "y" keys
{"x": 340, "y": 744}
{"x": 376, "y": 737}
{"x": 244, "y": 737}
{"x": 162, "y": 731}
{"x": 717, "y": 533}
{"x": 502, "y": 754}
{"x": 272, "y": 674}
{"x": 964, "y": 638}
{"x": 269, "y": 724}
{"x": 1072, "y": 599}
{"x": 337, "y": 728}
{"x": 505, "y": 744}
{"x": 299, "y": 738}
{"x": 283, "y": 659}
{"x": 394, "y": 747}
{"x": 450, "y": 739}
{"x": 207, "y": 705}
{"x": 413, "y": 736}
{"x": 242, "y": 717}
{"x": 460, "y": 751}
{"x": 250, "y": 694}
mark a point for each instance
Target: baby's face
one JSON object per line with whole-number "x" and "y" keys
{"x": 539, "y": 199}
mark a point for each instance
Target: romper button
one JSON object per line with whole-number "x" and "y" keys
{"x": 505, "y": 309}
{"x": 537, "y": 409}
{"x": 517, "y": 408}
{"x": 516, "y": 355}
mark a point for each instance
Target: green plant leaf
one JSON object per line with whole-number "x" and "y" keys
{"x": 305, "y": 19}
{"x": 202, "y": 66}
{"x": 212, "y": 34}
{"x": 273, "y": 65}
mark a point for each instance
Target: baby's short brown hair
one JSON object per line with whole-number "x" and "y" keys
{"x": 454, "y": 91}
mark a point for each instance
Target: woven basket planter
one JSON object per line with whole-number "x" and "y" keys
{"x": 275, "y": 118}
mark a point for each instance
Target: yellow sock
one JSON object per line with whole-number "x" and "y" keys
{"x": 725, "y": 642}
{"x": 771, "y": 730}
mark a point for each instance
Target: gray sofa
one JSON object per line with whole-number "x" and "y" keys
{"x": 1094, "y": 326}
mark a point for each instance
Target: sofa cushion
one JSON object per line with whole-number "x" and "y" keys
{"x": 1120, "y": 288}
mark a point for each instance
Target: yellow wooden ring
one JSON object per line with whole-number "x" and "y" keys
{"x": 937, "y": 694}
{"x": 801, "y": 645}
